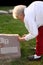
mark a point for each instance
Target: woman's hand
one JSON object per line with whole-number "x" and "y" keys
{"x": 21, "y": 38}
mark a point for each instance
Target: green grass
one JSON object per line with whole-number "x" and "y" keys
{"x": 11, "y": 26}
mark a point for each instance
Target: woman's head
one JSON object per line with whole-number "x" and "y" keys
{"x": 18, "y": 11}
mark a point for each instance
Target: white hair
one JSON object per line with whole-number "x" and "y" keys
{"x": 18, "y": 10}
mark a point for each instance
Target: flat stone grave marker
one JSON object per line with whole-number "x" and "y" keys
{"x": 9, "y": 46}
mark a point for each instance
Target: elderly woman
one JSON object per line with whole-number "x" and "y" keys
{"x": 32, "y": 17}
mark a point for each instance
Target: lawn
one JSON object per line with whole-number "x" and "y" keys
{"x": 8, "y": 25}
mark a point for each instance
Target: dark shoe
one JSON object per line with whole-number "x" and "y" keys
{"x": 31, "y": 58}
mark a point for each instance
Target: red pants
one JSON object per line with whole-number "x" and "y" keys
{"x": 39, "y": 41}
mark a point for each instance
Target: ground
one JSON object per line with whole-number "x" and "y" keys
{"x": 11, "y": 26}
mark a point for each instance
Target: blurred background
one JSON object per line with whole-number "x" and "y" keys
{"x": 15, "y": 2}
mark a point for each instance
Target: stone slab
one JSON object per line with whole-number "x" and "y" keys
{"x": 9, "y": 46}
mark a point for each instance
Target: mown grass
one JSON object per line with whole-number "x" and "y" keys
{"x": 8, "y": 25}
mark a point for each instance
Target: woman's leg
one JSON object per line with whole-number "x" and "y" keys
{"x": 39, "y": 46}
{"x": 39, "y": 42}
